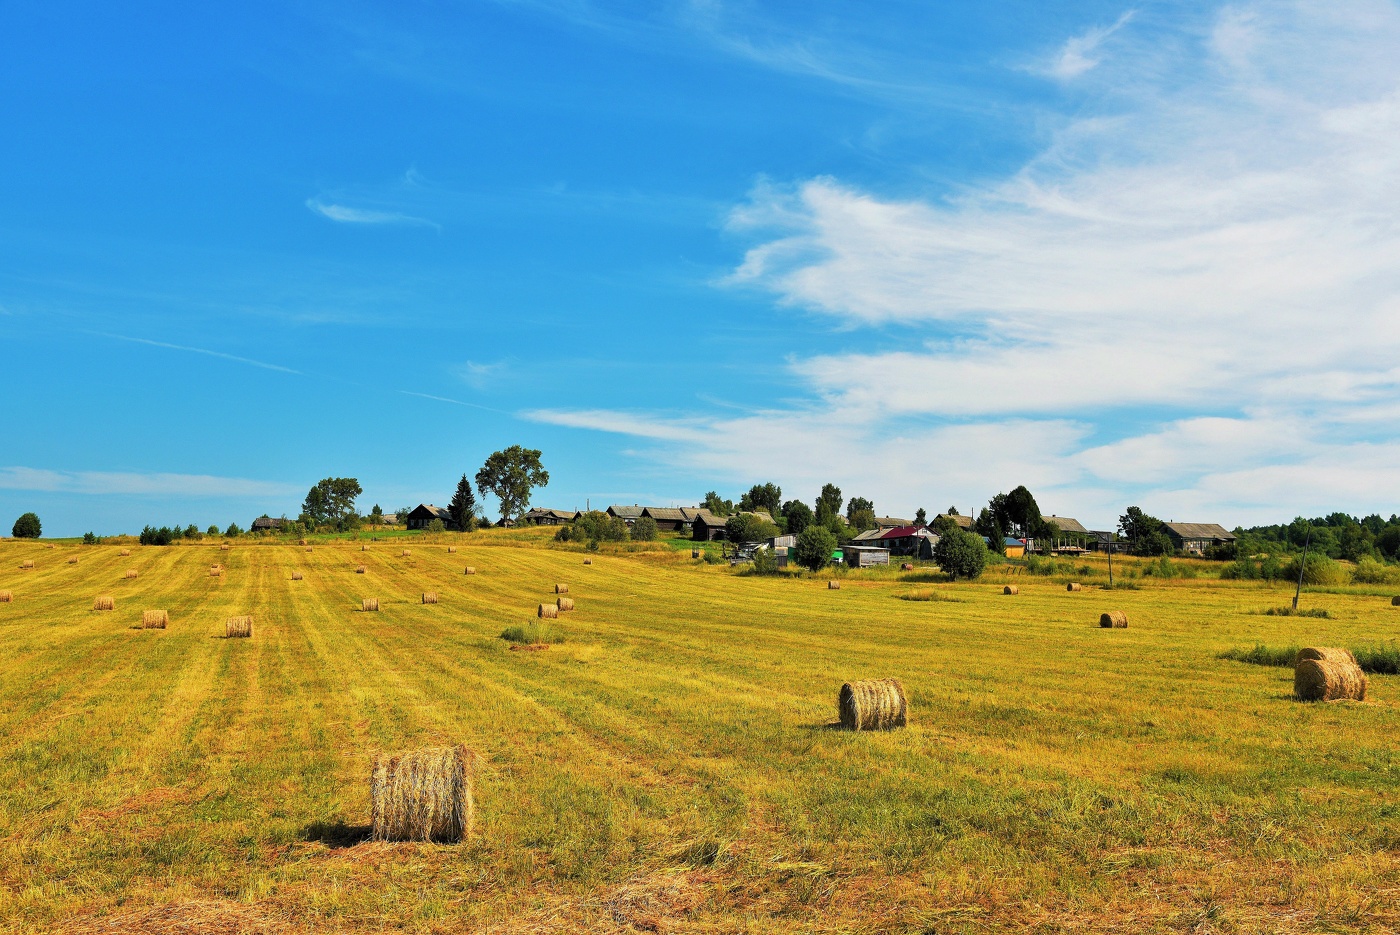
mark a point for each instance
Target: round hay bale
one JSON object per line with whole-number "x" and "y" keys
{"x": 238, "y": 627}
{"x": 1326, "y": 674}
{"x": 369, "y": 605}
{"x": 425, "y": 795}
{"x": 364, "y": 548}
{"x": 1395, "y": 601}
{"x": 301, "y": 542}
{"x": 429, "y": 597}
{"x": 215, "y": 571}
{"x": 104, "y": 602}
{"x": 1114, "y": 620}
{"x": 906, "y": 566}
{"x": 73, "y": 560}
{"x": 308, "y": 548}
{"x": 359, "y": 569}
{"x": 1074, "y": 586}
{"x": 130, "y": 573}
{"x": 564, "y": 603}
{"x": 154, "y": 619}
{"x": 451, "y": 549}
{"x": 469, "y": 570}
{"x": 588, "y": 561}
{"x": 833, "y": 585}
{"x": 27, "y": 563}
{"x": 6, "y": 597}
{"x": 406, "y": 553}
{"x": 124, "y": 553}
{"x": 296, "y": 576}
{"x": 561, "y": 589}
{"x": 873, "y": 704}
{"x": 1011, "y": 589}
{"x": 224, "y": 548}
{"x": 549, "y": 611}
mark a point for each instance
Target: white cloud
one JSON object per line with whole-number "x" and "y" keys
{"x": 136, "y": 484}
{"x": 344, "y": 214}
{"x": 1192, "y": 296}
{"x": 1077, "y": 55}
{"x": 480, "y": 375}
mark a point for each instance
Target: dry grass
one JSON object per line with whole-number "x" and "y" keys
{"x": 873, "y": 704}
{"x": 154, "y": 619}
{"x": 238, "y": 627}
{"x": 1326, "y": 674}
{"x": 1113, "y": 619}
{"x": 369, "y": 605}
{"x": 430, "y": 597}
{"x": 104, "y": 602}
{"x": 425, "y": 795}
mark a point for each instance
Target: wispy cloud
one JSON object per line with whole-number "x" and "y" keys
{"x": 137, "y": 484}
{"x": 199, "y": 350}
{"x": 480, "y": 375}
{"x": 343, "y": 214}
{"x": 448, "y": 399}
{"x": 1079, "y": 54}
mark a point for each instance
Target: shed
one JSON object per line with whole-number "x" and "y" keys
{"x": 863, "y": 556}
{"x": 1013, "y": 548}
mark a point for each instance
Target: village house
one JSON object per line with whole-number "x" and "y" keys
{"x": 1195, "y": 538}
{"x": 267, "y": 524}
{"x": 910, "y": 540}
{"x": 628, "y": 514}
{"x": 891, "y": 522}
{"x": 963, "y": 522}
{"x": 670, "y": 519}
{"x": 424, "y": 513}
{"x": 707, "y": 527}
{"x": 542, "y": 517}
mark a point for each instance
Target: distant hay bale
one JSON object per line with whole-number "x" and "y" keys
{"x": 1114, "y": 619}
{"x": 104, "y": 602}
{"x": 564, "y": 603}
{"x": 1011, "y": 589}
{"x": 1074, "y": 586}
{"x": 1325, "y": 674}
{"x": 224, "y": 548}
{"x": 154, "y": 619}
{"x": 1395, "y": 601}
{"x": 406, "y": 553}
{"x": 215, "y": 571}
{"x": 906, "y": 566}
{"x": 124, "y": 553}
{"x": 429, "y": 597}
{"x": 561, "y": 589}
{"x": 27, "y": 563}
{"x": 364, "y": 548}
{"x": 296, "y": 576}
{"x": 73, "y": 560}
{"x": 873, "y": 704}
{"x": 588, "y": 561}
{"x": 451, "y": 549}
{"x": 833, "y": 585}
{"x": 470, "y": 570}
{"x": 549, "y": 611}
{"x": 359, "y": 569}
{"x": 238, "y": 627}
{"x": 425, "y": 795}
{"x": 301, "y": 542}
{"x": 308, "y": 548}
{"x": 369, "y": 605}
{"x": 131, "y": 573}
{"x": 6, "y": 597}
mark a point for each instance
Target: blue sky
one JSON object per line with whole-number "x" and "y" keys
{"x": 1119, "y": 253}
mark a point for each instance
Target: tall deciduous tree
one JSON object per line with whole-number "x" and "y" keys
{"x": 828, "y": 503}
{"x": 765, "y": 497}
{"x": 797, "y": 516}
{"x": 332, "y": 500}
{"x": 510, "y": 475}
{"x": 463, "y": 506}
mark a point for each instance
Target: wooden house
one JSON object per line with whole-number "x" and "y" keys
{"x": 628, "y": 514}
{"x": 669, "y": 519}
{"x": 267, "y": 524}
{"x": 541, "y": 517}
{"x": 707, "y": 526}
{"x": 424, "y": 513}
{"x": 1195, "y": 538}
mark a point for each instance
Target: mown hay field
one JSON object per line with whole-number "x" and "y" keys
{"x": 669, "y": 763}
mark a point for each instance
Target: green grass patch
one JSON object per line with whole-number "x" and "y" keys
{"x": 531, "y": 633}
{"x": 928, "y": 596}
{"x": 1290, "y": 611}
{"x": 1261, "y": 655}
{"x": 1381, "y": 659}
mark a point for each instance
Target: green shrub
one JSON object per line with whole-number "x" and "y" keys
{"x": 27, "y": 526}
{"x": 814, "y": 547}
{"x": 765, "y": 562}
{"x": 233, "y": 530}
{"x": 437, "y": 525}
{"x": 531, "y": 633}
{"x": 1384, "y": 660}
{"x": 1370, "y": 571}
{"x": 1290, "y": 611}
{"x": 644, "y": 530}
{"x": 90, "y": 539}
{"x": 1319, "y": 570}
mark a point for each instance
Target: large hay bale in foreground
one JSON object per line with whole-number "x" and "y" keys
{"x": 564, "y": 603}
{"x": 238, "y": 627}
{"x": 429, "y": 597}
{"x": 369, "y": 605}
{"x": 1011, "y": 589}
{"x": 130, "y": 573}
{"x": 833, "y": 585}
{"x": 154, "y": 619}
{"x": 296, "y": 576}
{"x": 425, "y": 795}
{"x": 1114, "y": 619}
{"x": 124, "y": 553}
{"x": 549, "y": 611}
{"x": 561, "y": 589}
{"x": 104, "y": 602}
{"x": 1327, "y": 674}
{"x": 1074, "y": 586}
{"x": 469, "y": 570}
{"x": 6, "y": 597}
{"x": 873, "y": 704}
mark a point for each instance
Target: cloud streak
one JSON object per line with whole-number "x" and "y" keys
{"x": 99, "y": 483}
{"x": 343, "y": 214}
{"x": 200, "y": 350}
{"x": 1078, "y": 54}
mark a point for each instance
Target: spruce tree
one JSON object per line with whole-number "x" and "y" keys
{"x": 463, "y": 506}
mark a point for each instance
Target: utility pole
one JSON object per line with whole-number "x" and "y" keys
{"x": 1302, "y": 567}
{"x": 1111, "y": 537}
